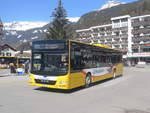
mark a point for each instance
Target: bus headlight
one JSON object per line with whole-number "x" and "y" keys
{"x": 63, "y": 82}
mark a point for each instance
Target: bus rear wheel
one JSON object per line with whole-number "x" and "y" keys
{"x": 114, "y": 75}
{"x": 88, "y": 80}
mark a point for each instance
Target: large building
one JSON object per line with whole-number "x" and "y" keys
{"x": 129, "y": 34}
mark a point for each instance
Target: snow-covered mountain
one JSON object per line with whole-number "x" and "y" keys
{"x": 26, "y": 25}
{"x": 17, "y": 33}
{"x": 73, "y": 19}
{"x": 23, "y": 26}
{"x": 110, "y": 4}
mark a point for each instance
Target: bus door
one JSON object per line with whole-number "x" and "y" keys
{"x": 76, "y": 75}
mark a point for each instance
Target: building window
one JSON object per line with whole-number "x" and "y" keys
{"x": 116, "y": 33}
{"x": 124, "y": 20}
{"x": 136, "y": 20}
{"x": 124, "y": 24}
{"x": 116, "y": 25}
{"x": 3, "y": 54}
{"x": 146, "y": 19}
{"x": 8, "y": 54}
{"x": 136, "y": 27}
{"x": 124, "y": 32}
{"x": 135, "y": 50}
{"x": 116, "y": 21}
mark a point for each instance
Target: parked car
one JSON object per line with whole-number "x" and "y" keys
{"x": 141, "y": 64}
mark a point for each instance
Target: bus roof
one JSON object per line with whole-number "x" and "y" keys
{"x": 61, "y": 40}
{"x": 104, "y": 46}
{"x": 98, "y": 45}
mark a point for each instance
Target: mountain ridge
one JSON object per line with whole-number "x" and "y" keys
{"x": 93, "y": 18}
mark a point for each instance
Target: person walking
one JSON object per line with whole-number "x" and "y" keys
{"x": 12, "y": 68}
{"x": 26, "y": 66}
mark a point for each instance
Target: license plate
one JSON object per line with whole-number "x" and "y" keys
{"x": 45, "y": 85}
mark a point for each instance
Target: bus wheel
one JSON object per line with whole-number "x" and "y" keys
{"x": 88, "y": 80}
{"x": 114, "y": 74}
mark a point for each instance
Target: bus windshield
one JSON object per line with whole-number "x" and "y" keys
{"x": 50, "y": 64}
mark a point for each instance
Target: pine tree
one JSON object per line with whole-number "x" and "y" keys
{"x": 58, "y": 27}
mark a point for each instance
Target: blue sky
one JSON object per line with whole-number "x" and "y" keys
{"x": 40, "y": 10}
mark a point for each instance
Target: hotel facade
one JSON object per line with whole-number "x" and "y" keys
{"x": 128, "y": 34}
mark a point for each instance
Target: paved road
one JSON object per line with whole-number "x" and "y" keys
{"x": 127, "y": 94}
{"x": 4, "y": 72}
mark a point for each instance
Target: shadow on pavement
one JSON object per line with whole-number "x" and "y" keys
{"x": 135, "y": 111}
{"x": 72, "y": 90}
{"x": 58, "y": 90}
{"x": 4, "y": 75}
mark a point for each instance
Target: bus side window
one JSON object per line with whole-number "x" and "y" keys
{"x": 76, "y": 60}
{"x": 113, "y": 59}
{"x": 116, "y": 58}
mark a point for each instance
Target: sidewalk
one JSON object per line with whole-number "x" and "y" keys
{"x": 6, "y": 73}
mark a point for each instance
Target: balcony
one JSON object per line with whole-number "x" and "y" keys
{"x": 135, "y": 46}
{"x": 124, "y": 44}
{"x": 116, "y": 37}
{"x": 141, "y": 38}
{"x": 125, "y": 36}
{"x": 115, "y": 42}
{"x": 134, "y": 24}
{"x": 120, "y": 28}
{"x": 124, "y": 49}
{"x": 108, "y": 37}
{"x": 139, "y": 31}
{"x": 108, "y": 31}
{"x": 146, "y": 38}
{"x": 108, "y": 40}
{"x": 121, "y": 36}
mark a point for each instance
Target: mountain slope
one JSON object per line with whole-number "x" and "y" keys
{"x": 93, "y": 18}
{"x": 17, "y": 37}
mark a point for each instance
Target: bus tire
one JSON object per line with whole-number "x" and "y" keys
{"x": 88, "y": 80}
{"x": 114, "y": 75}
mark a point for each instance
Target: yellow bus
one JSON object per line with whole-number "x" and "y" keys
{"x": 67, "y": 64}
{"x": 6, "y": 60}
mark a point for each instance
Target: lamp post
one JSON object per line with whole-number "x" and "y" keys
{"x": 140, "y": 49}
{"x": 1, "y": 35}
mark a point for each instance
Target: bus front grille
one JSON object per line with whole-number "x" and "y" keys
{"x": 48, "y": 82}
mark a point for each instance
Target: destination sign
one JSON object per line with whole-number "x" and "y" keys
{"x": 49, "y": 46}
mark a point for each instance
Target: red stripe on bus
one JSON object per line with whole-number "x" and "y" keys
{"x": 83, "y": 72}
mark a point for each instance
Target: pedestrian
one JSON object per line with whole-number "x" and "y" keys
{"x": 12, "y": 68}
{"x": 26, "y": 66}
